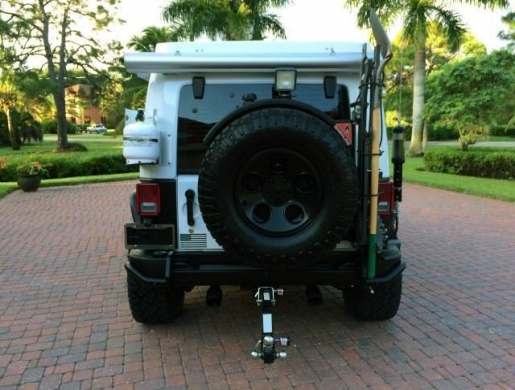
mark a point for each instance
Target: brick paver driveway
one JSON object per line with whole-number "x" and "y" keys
{"x": 65, "y": 321}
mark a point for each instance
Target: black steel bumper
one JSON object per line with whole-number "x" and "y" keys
{"x": 179, "y": 270}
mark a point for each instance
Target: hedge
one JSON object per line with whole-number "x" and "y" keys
{"x": 435, "y": 133}
{"x": 502, "y": 130}
{"x": 49, "y": 126}
{"x": 479, "y": 163}
{"x": 60, "y": 165}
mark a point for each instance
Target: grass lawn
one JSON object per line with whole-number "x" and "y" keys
{"x": 489, "y": 188}
{"x": 496, "y": 138}
{"x": 48, "y": 146}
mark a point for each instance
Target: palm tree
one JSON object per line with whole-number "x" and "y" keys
{"x": 135, "y": 89}
{"x": 417, "y": 16}
{"x": 225, "y": 19}
{"x": 150, "y": 37}
{"x": 9, "y": 100}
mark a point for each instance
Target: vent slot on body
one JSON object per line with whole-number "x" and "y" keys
{"x": 193, "y": 241}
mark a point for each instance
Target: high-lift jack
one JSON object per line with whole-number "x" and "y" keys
{"x": 266, "y": 298}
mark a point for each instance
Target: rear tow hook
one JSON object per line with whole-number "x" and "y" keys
{"x": 266, "y": 298}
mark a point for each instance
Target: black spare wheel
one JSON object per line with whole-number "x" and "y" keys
{"x": 278, "y": 187}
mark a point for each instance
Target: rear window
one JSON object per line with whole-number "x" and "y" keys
{"x": 198, "y": 116}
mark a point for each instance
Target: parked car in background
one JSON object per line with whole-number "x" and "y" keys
{"x": 98, "y": 128}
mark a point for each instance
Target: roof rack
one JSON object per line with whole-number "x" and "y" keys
{"x": 253, "y": 56}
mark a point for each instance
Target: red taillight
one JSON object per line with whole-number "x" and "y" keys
{"x": 148, "y": 199}
{"x": 386, "y": 203}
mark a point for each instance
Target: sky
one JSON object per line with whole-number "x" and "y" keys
{"x": 317, "y": 20}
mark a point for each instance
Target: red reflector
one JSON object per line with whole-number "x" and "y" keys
{"x": 148, "y": 199}
{"x": 386, "y": 203}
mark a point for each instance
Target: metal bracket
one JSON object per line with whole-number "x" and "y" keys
{"x": 266, "y": 298}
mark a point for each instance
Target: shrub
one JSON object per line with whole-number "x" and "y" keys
{"x": 502, "y": 130}
{"x": 30, "y": 168}
{"x": 69, "y": 164}
{"x": 492, "y": 164}
{"x": 119, "y": 127}
{"x": 49, "y": 126}
{"x": 443, "y": 133}
{"x": 435, "y": 133}
{"x": 75, "y": 147}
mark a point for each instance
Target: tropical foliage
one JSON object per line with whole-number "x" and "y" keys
{"x": 9, "y": 100}
{"x": 150, "y": 37}
{"x": 472, "y": 94}
{"x": 509, "y": 34}
{"x": 224, "y": 19}
{"x": 417, "y": 16}
{"x": 399, "y": 77}
{"x": 62, "y": 35}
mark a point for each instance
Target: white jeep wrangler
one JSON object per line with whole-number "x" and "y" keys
{"x": 263, "y": 164}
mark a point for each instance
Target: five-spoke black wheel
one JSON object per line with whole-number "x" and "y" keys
{"x": 278, "y": 191}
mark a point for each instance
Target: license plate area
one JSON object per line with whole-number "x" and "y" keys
{"x": 158, "y": 237}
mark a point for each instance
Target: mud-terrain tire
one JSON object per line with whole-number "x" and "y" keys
{"x": 381, "y": 305}
{"x": 278, "y": 187}
{"x": 153, "y": 303}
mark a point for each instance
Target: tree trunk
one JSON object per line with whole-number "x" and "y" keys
{"x": 425, "y": 137}
{"x": 14, "y": 141}
{"x": 62, "y": 136}
{"x": 415, "y": 148}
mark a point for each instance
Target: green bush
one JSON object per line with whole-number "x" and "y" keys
{"x": 443, "y": 133}
{"x": 76, "y": 147}
{"x": 501, "y": 130}
{"x": 119, "y": 127}
{"x": 492, "y": 164}
{"x": 435, "y": 133}
{"x": 49, "y": 126}
{"x": 70, "y": 164}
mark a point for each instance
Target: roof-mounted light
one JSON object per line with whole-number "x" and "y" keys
{"x": 285, "y": 80}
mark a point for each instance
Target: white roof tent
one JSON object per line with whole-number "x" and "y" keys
{"x": 251, "y": 56}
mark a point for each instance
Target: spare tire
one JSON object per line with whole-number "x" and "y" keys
{"x": 278, "y": 187}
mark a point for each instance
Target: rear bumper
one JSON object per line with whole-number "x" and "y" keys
{"x": 188, "y": 271}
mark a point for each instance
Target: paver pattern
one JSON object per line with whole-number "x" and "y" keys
{"x": 65, "y": 321}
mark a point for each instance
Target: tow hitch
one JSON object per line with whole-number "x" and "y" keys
{"x": 266, "y": 298}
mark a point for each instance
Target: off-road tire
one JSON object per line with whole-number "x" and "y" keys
{"x": 381, "y": 305}
{"x": 304, "y": 142}
{"x": 153, "y": 303}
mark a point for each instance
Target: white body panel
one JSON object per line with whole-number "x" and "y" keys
{"x": 196, "y": 237}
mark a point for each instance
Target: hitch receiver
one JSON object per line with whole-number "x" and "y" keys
{"x": 266, "y": 298}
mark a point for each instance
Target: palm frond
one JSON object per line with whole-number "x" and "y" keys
{"x": 492, "y": 4}
{"x": 451, "y": 25}
{"x": 387, "y": 10}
